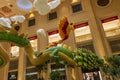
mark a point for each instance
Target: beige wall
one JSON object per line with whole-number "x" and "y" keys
{"x": 112, "y": 9}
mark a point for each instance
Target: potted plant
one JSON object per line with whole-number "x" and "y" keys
{"x": 54, "y": 75}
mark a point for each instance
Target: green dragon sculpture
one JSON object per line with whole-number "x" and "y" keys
{"x": 52, "y": 52}
{"x": 37, "y": 59}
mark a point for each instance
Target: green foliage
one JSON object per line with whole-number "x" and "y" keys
{"x": 87, "y": 59}
{"x": 14, "y": 38}
{"x": 112, "y": 66}
{"x": 54, "y": 75}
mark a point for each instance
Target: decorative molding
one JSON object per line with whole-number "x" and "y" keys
{"x": 6, "y": 11}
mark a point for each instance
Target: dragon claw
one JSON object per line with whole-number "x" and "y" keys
{"x": 38, "y": 54}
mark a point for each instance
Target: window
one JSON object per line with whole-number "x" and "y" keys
{"x": 82, "y": 32}
{"x": 31, "y": 74}
{"x": 17, "y": 28}
{"x": 115, "y": 45}
{"x": 31, "y": 22}
{"x": 103, "y": 2}
{"x": 111, "y": 26}
{"x": 93, "y": 74}
{"x": 14, "y": 51}
{"x": 76, "y": 8}
{"x": 12, "y": 75}
{"x": 13, "y": 65}
{"x": 52, "y": 15}
{"x": 60, "y": 69}
{"x": 53, "y": 36}
{"x": 88, "y": 46}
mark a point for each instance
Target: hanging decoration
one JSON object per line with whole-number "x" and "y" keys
{"x": 5, "y": 22}
{"x": 18, "y": 18}
{"x": 24, "y": 4}
{"x": 42, "y": 6}
{"x": 53, "y": 4}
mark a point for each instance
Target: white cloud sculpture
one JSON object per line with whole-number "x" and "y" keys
{"x": 18, "y": 18}
{"x": 54, "y": 4}
{"x": 43, "y": 6}
{"x": 24, "y": 4}
{"x": 5, "y": 22}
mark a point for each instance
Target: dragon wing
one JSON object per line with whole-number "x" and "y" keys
{"x": 64, "y": 28}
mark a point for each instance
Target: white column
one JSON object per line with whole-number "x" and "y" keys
{"x": 68, "y": 73}
{"x": 21, "y": 65}
{"x": 100, "y": 42}
{"x": 4, "y": 73}
{"x": 4, "y": 70}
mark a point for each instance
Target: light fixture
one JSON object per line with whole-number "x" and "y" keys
{"x": 42, "y": 6}
{"x": 74, "y": 1}
{"x": 24, "y": 4}
{"x": 31, "y": 15}
{"x": 54, "y": 4}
